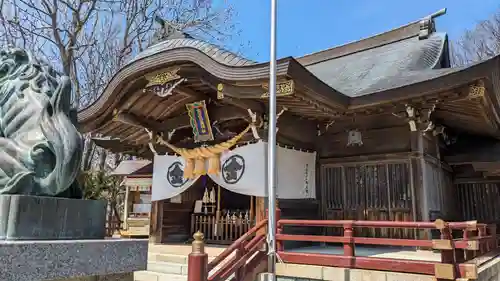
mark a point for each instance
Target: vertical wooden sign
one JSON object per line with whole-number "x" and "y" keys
{"x": 200, "y": 122}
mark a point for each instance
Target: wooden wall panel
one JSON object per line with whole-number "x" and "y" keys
{"x": 429, "y": 145}
{"x": 176, "y": 219}
{"x": 389, "y": 140}
{"x": 479, "y": 201}
{"x": 439, "y": 186}
{"x": 376, "y": 191}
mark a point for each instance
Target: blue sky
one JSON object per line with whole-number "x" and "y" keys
{"x": 307, "y": 26}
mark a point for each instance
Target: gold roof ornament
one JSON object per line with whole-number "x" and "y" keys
{"x": 476, "y": 91}
{"x": 162, "y": 84}
{"x": 163, "y": 77}
{"x": 283, "y": 89}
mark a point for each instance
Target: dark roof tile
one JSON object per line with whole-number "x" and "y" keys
{"x": 218, "y": 54}
{"x": 364, "y": 72}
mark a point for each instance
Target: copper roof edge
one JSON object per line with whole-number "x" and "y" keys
{"x": 406, "y": 31}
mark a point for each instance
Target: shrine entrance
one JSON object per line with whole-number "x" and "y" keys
{"x": 222, "y": 215}
{"x": 223, "y": 197}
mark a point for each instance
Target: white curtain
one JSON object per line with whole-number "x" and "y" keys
{"x": 243, "y": 171}
{"x": 296, "y": 172}
{"x": 167, "y": 177}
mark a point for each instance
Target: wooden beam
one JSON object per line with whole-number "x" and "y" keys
{"x": 220, "y": 114}
{"x": 477, "y": 180}
{"x": 486, "y": 166}
{"x": 254, "y": 105}
{"x": 283, "y": 88}
{"x": 291, "y": 126}
{"x": 472, "y": 157}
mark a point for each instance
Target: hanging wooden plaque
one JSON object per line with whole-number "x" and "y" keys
{"x": 200, "y": 122}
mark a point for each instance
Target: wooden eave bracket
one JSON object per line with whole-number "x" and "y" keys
{"x": 419, "y": 119}
{"x": 489, "y": 102}
{"x": 283, "y": 89}
{"x": 476, "y": 91}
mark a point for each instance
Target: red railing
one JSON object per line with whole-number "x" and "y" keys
{"x": 235, "y": 262}
{"x": 461, "y": 245}
{"x": 475, "y": 240}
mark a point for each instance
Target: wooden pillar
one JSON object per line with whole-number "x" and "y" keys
{"x": 418, "y": 188}
{"x": 260, "y": 212}
{"x": 156, "y": 223}
{"x": 424, "y": 202}
{"x": 198, "y": 260}
{"x": 125, "y": 209}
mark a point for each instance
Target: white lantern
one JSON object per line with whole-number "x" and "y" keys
{"x": 354, "y": 138}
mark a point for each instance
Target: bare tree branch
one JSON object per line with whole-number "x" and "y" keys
{"x": 90, "y": 40}
{"x": 479, "y": 43}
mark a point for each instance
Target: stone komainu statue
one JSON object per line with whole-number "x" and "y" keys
{"x": 40, "y": 147}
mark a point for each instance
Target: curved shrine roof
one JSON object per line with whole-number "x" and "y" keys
{"x": 216, "y": 53}
{"x": 360, "y": 73}
{"x": 383, "y": 60}
{"x": 379, "y": 74}
{"x": 382, "y": 67}
{"x": 395, "y": 58}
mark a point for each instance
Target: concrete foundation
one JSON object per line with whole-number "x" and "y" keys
{"x": 47, "y": 218}
{"x": 72, "y": 260}
{"x": 109, "y": 277}
{"x": 490, "y": 271}
{"x": 297, "y": 272}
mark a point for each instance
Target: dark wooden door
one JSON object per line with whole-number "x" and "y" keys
{"x": 378, "y": 191}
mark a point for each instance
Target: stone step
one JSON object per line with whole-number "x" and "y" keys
{"x": 183, "y": 249}
{"x": 170, "y": 258}
{"x": 157, "y": 276}
{"x": 166, "y": 267}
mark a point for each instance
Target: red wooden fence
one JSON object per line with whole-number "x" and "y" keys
{"x": 461, "y": 245}
{"x": 474, "y": 240}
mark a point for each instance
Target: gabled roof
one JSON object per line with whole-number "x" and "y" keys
{"x": 376, "y": 63}
{"x": 128, "y": 167}
{"x": 374, "y": 69}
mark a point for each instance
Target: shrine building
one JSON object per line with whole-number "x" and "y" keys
{"x": 378, "y": 129}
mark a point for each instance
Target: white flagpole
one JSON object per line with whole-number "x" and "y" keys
{"x": 271, "y": 156}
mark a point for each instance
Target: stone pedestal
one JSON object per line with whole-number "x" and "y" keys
{"x": 106, "y": 259}
{"x": 65, "y": 259}
{"x": 46, "y": 218}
